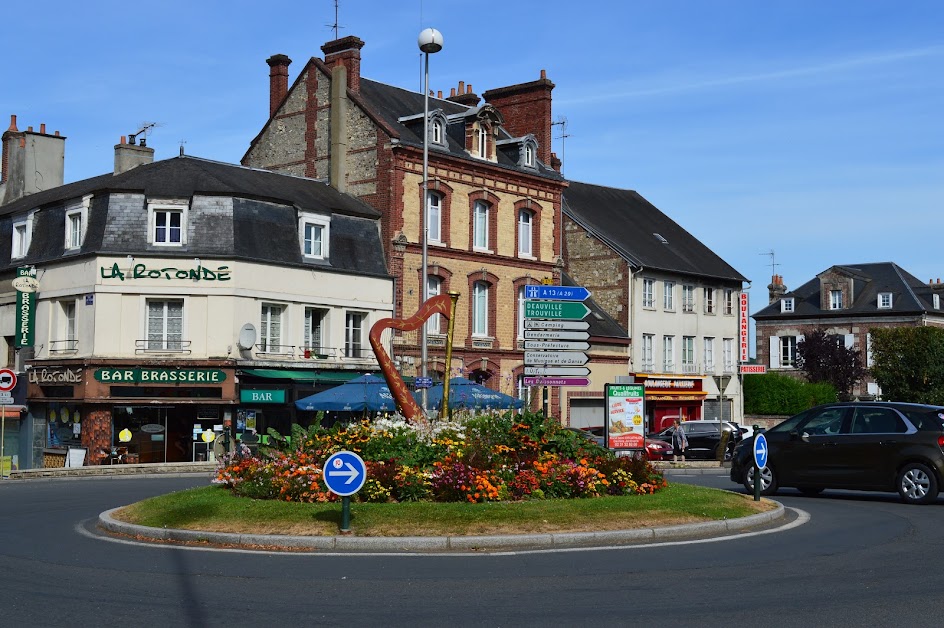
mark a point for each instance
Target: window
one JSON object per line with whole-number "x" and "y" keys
{"x": 788, "y": 347}
{"x": 786, "y": 305}
{"x": 878, "y": 421}
{"x": 529, "y": 155}
{"x": 688, "y": 298}
{"x": 648, "y": 293}
{"x": 727, "y": 351}
{"x": 168, "y": 224}
{"x": 314, "y": 330}
{"x": 525, "y": 246}
{"x": 21, "y": 238}
{"x": 884, "y": 300}
{"x": 668, "y": 295}
{"x": 480, "y": 308}
{"x": 434, "y": 217}
{"x": 75, "y": 223}
{"x": 729, "y": 308}
{"x": 668, "y": 354}
{"x": 481, "y": 135}
{"x": 354, "y": 335}
{"x": 63, "y": 338}
{"x": 433, "y": 289}
{"x": 709, "y": 355}
{"x": 436, "y": 130}
{"x": 709, "y": 295}
{"x": 480, "y": 225}
{"x": 936, "y": 301}
{"x": 314, "y": 233}
{"x": 835, "y": 299}
{"x": 270, "y": 335}
{"x": 688, "y": 354}
{"x": 648, "y": 361}
{"x": 521, "y": 300}
{"x": 165, "y": 325}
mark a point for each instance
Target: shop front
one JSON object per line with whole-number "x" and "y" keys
{"x": 671, "y": 397}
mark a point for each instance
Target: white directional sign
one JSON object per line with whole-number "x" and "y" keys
{"x": 556, "y": 345}
{"x": 557, "y": 371}
{"x": 557, "y": 358}
{"x": 530, "y": 323}
{"x": 550, "y": 334}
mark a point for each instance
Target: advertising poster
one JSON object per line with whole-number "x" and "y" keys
{"x": 625, "y": 423}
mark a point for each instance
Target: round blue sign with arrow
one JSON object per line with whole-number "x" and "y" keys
{"x": 761, "y": 453}
{"x": 344, "y": 473}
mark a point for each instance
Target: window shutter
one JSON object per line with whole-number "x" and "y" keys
{"x": 850, "y": 341}
{"x": 774, "y": 352}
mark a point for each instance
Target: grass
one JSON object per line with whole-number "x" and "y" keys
{"x": 214, "y": 508}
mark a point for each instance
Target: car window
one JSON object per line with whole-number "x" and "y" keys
{"x": 789, "y": 424}
{"x": 700, "y": 428}
{"x": 877, "y": 421}
{"x": 926, "y": 420}
{"x": 826, "y": 421}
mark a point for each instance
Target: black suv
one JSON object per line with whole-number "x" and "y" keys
{"x": 870, "y": 446}
{"x": 704, "y": 438}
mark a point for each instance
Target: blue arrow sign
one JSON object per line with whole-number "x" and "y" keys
{"x": 557, "y": 293}
{"x": 344, "y": 473}
{"x": 761, "y": 452}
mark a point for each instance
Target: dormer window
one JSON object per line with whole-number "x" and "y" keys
{"x": 529, "y": 155}
{"x": 481, "y": 141}
{"x": 437, "y": 128}
{"x": 884, "y": 300}
{"x": 835, "y": 299}
{"x": 313, "y": 232}
{"x": 786, "y": 305}
{"x": 167, "y": 223}
{"x": 936, "y": 301}
{"x": 437, "y": 132}
{"x": 22, "y": 233}
{"x": 76, "y": 221}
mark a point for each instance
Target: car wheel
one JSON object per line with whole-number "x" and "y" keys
{"x": 810, "y": 491}
{"x": 917, "y": 484}
{"x": 768, "y": 482}
{"x": 729, "y": 453}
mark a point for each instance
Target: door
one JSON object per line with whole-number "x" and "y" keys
{"x": 868, "y": 454}
{"x": 808, "y": 454}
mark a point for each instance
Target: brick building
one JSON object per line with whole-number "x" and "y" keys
{"x": 846, "y": 301}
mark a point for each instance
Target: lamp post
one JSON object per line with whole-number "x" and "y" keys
{"x": 430, "y": 41}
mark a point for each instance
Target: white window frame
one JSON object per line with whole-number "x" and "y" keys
{"x": 169, "y": 208}
{"x": 521, "y": 302}
{"x": 354, "y": 334}
{"x": 272, "y": 314}
{"x": 648, "y": 359}
{"x": 434, "y": 205}
{"x": 76, "y": 224}
{"x": 166, "y": 340}
{"x": 314, "y": 221}
{"x": 480, "y": 215}
{"x": 884, "y": 300}
{"x": 481, "y": 135}
{"x": 709, "y": 354}
{"x": 788, "y": 350}
{"x": 22, "y": 236}
{"x": 433, "y": 289}
{"x": 526, "y": 233}
{"x": 688, "y": 354}
{"x": 786, "y": 305}
{"x": 688, "y": 298}
{"x": 316, "y": 329}
{"x": 479, "y": 306}
{"x": 727, "y": 354}
{"x": 668, "y": 354}
{"x": 437, "y": 131}
{"x": 936, "y": 301}
{"x": 729, "y": 300}
{"x": 709, "y": 298}
{"x": 529, "y": 155}
{"x": 649, "y": 293}
{"x": 668, "y": 296}
{"x": 835, "y": 299}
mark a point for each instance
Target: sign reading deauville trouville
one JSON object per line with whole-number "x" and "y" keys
{"x": 160, "y": 376}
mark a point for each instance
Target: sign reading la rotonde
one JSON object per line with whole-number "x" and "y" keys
{"x": 55, "y": 375}
{"x": 142, "y": 271}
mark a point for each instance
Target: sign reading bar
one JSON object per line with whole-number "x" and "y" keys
{"x": 262, "y": 396}
{"x": 555, "y": 309}
{"x": 25, "y": 308}
{"x": 160, "y": 376}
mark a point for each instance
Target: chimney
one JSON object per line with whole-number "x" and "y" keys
{"x": 347, "y": 52}
{"x": 128, "y": 156}
{"x": 526, "y": 108}
{"x": 31, "y": 162}
{"x": 776, "y": 289}
{"x": 556, "y": 163}
{"x": 464, "y": 95}
{"x": 278, "y": 81}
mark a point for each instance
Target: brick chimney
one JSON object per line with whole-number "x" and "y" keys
{"x": 278, "y": 81}
{"x": 464, "y": 95}
{"x": 347, "y": 52}
{"x": 31, "y": 161}
{"x": 776, "y": 289}
{"x": 128, "y": 156}
{"x": 526, "y": 108}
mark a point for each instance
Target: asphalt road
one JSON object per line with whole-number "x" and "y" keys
{"x": 860, "y": 560}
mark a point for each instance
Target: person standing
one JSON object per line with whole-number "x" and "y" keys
{"x": 679, "y": 442}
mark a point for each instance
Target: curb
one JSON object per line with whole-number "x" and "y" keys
{"x": 557, "y": 540}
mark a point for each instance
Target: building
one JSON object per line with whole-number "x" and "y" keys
{"x": 677, "y": 299}
{"x": 176, "y": 297}
{"x": 846, "y": 301}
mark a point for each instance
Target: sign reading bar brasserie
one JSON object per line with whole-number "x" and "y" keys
{"x": 160, "y": 376}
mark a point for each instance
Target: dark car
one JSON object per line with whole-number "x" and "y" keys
{"x": 704, "y": 438}
{"x": 870, "y": 446}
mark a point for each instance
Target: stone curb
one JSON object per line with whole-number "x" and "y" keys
{"x": 557, "y": 540}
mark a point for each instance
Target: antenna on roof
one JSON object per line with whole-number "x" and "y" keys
{"x": 562, "y": 123}
{"x": 773, "y": 262}
{"x": 181, "y": 142}
{"x": 336, "y": 26}
{"x": 145, "y": 128}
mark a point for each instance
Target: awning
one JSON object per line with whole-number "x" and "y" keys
{"x": 304, "y": 377}
{"x": 12, "y": 411}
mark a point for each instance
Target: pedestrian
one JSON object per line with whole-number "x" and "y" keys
{"x": 679, "y": 442}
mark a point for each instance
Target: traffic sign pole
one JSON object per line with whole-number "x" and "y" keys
{"x": 345, "y": 514}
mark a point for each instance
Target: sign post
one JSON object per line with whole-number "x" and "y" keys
{"x": 344, "y": 474}
{"x": 555, "y": 337}
{"x": 7, "y": 384}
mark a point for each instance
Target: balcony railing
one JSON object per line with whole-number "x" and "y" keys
{"x": 729, "y": 367}
{"x": 648, "y": 367}
{"x": 689, "y": 367}
{"x": 62, "y": 347}
{"x": 668, "y": 367}
{"x": 150, "y": 345}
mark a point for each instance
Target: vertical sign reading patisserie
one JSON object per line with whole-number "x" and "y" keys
{"x": 25, "y": 284}
{"x": 625, "y": 412}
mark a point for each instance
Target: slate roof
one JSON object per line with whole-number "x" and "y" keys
{"x": 632, "y": 226}
{"x": 602, "y": 325}
{"x": 263, "y": 225}
{"x": 910, "y": 295}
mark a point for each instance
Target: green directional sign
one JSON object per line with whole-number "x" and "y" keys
{"x": 564, "y": 310}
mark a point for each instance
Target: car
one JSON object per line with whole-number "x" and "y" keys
{"x": 856, "y": 445}
{"x": 704, "y": 438}
{"x": 746, "y": 430}
{"x": 658, "y": 450}
{"x": 594, "y": 434}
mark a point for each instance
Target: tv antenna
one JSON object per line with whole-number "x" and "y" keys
{"x": 145, "y": 129}
{"x": 562, "y": 123}
{"x": 336, "y": 26}
{"x": 181, "y": 142}
{"x": 773, "y": 262}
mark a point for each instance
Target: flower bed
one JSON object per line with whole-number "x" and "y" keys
{"x": 477, "y": 458}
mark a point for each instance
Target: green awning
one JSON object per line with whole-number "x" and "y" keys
{"x": 304, "y": 377}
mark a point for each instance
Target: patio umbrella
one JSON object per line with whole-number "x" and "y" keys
{"x": 365, "y": 393}
{"x": 464, "y": 393}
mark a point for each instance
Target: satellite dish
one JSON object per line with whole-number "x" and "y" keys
{"x": 247, "y": 336}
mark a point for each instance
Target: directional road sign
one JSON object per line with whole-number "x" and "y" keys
{"x": 553, "y": 334}
{"x": 530, "y": 323}
{"x": 555, "y": 309}
{"x": 557, "y": 358}
{"x": 556, "y": 381}
{"x": 556, "y": 345}
{"x": 557, "y": 293}
{"x": 761, "y": 453}
{"x": 556, "y": 371}
{"x": 344, "y": 473}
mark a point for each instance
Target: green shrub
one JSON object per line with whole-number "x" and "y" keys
{"x": 782, "y": 395}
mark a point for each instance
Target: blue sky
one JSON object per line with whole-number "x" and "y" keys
{"x": 808, "y": 128}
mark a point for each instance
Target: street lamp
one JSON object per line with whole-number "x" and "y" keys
{"x": 430, "y": 41}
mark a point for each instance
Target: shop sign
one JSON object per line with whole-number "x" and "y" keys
{"x": 743, "y": 328}
{"x": 152, "y": 428}
{"x": 25, "y": 307}
{"x": 55, "y": 375}
{"x": 262, "y": 396}
{"x": 142, "y": 271}
{"x": 160, "y": 376}
{"x": 671, "y": 384}
{"x": 625, "y": 407}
